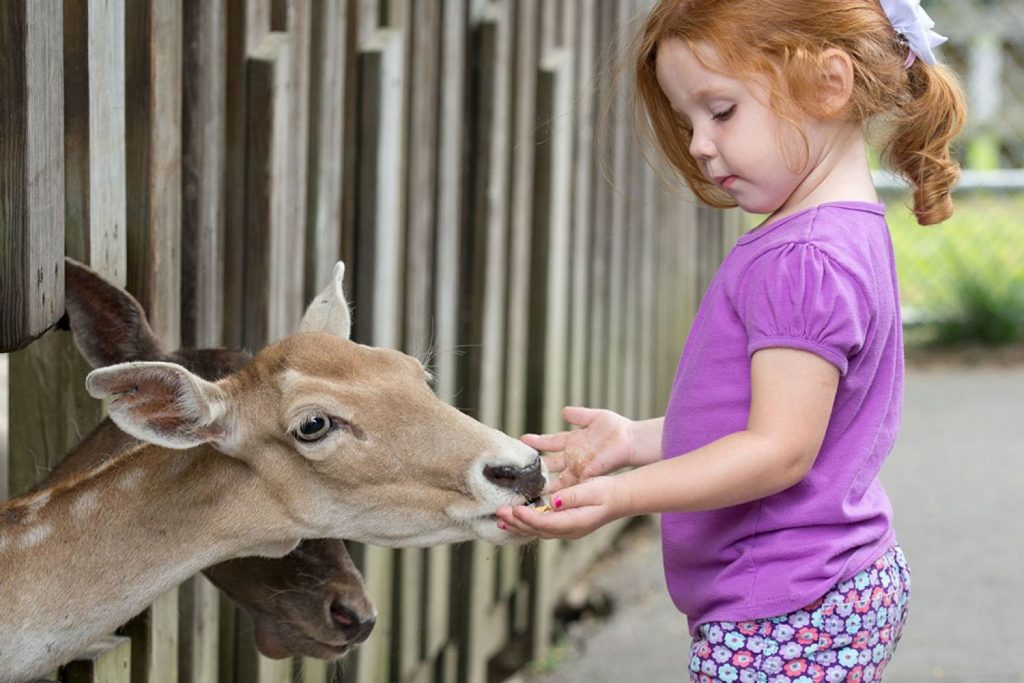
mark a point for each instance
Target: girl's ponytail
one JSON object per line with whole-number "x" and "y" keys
{"x": 923, "y": 126}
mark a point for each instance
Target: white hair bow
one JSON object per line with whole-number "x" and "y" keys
{"x": 913, "y": 23}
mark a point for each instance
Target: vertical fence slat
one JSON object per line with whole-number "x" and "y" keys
{"x": 107, "y": 661}
{"x": 329, "y": 47}
{"x": 524, "y": 122}
{"x": 598, "y": 393}
{"x": 247, "y": 22}
{"x": 583, "y": 17}
{"x": 414, "y": 645}
{"x": 550, "y": 285}
{"x": 447, "y": 285}
{"x": 204, "y": 133}
{"x": 202, "y": 291}
{"x": 482, "y": 327}
{"x": 94, "y": 120}
{"x": 379, "y": 259}
{"x": 31, "y": 171}
{"x": 153, "y": 120}
{"x": 269, "y": 263}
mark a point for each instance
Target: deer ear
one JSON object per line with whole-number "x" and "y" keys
{"x": 329, "y": 310}
{"x": 163, "y": 403}
{"x": 107, "y": 323}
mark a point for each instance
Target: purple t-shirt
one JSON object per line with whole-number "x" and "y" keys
{"x": 822, "y": 280}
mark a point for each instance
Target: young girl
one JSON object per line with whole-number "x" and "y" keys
{"x": 777, "y": 535}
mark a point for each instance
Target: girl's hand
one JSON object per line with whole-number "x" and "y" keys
{"x": 576, "y": 511}
{"x": 603, "y": 445}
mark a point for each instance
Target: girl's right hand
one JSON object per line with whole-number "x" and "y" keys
{"x": 602, "y": 445}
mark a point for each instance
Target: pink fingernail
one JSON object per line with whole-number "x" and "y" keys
{"x": 501, "y": 525}
{"x": 558, "y": 502}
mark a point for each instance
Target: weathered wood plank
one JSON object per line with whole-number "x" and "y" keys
{"x": 524, "y": 123}
{"x": 153, "y": 59}
{"x": 550, "y": 292}
{"x": 106, "y": 661}
{"x": 288, "y": 303}
{"x": 422, "y": 24}
{"x": 450, "y": 199}
{"x": 650, "y": 404}
{"x": 379, "y": 258}
{"x": 31, "y": 171}
{"x": 247, "y": 22}
{"x": 48, "y": 375}
{"x": 381, "y": 184}
{"x": 484, "y": 264}
{"x": 329, "y": 48}
{"x": 204, "y": 135}
{"x": 583, "y": 17}
{"x": 446, "y": 286}
{"x": 94, "y": 135}
{"x": 153, "y": 55}
{"x": 199, "y": 634}
{"x": 421, "y": 208}
{"x": 5, "y": 432}
{"x": 599, "y": 365}
{"x": 266, "y": 164}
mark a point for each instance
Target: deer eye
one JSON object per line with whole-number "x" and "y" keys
{"x": 314, "y": 428}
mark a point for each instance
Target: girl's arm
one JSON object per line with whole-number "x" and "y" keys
{"x": 792, "y": 393}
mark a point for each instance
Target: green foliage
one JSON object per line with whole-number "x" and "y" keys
{"x": 964, "y": 279}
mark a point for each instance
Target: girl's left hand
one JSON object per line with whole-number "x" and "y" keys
{"x": 576, "y": 511}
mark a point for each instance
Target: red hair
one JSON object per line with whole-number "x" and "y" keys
{"x": 782, "y": 41}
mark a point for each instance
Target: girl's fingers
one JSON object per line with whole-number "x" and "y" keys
{"x": 579, "y": 416}
{"x": 545, "y": 442}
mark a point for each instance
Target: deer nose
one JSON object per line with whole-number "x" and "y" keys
{"x": 527, "y": 481}
{"x": 355, "y": 628}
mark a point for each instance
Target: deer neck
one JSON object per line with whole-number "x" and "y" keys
{"x": 82, "y": 556}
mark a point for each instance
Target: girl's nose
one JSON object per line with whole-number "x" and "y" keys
{"x": 701, "y": 146}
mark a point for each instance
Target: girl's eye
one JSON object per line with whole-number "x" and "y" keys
{"x": 724, "y": 115}
{"x": 314, "y": 428}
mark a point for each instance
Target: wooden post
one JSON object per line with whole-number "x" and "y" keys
{"x": 31, "y": 170}
{"x": 106, "y": 661}
{"x": 202, "y": 290}
{"x": 549, "y": 295}
{"x": 480, "y": 628}
{"x": 329, "y": 48}
{"x": 379, "y": 259}
{"x": 153, "y": 118}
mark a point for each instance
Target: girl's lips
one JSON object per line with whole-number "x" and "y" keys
{"x": 726, "y": 182}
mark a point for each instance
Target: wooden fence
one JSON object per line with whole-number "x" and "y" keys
{"x": 218, "y": 157}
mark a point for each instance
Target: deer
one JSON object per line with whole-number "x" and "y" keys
{"x": 316, "y": 437}
{"x": 311, "y": 602}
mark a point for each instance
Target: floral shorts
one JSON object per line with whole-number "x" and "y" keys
{"x": 847, "y": 635}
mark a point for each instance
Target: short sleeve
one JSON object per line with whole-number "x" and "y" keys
{"x": 797, "y": 296}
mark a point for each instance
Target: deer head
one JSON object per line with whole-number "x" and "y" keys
{"x": 349, "y": 440}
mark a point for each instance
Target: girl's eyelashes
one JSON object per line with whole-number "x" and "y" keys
{"x": 723, "y": 115}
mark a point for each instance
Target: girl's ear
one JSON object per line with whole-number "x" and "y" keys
{"x": 837, "y": 81}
